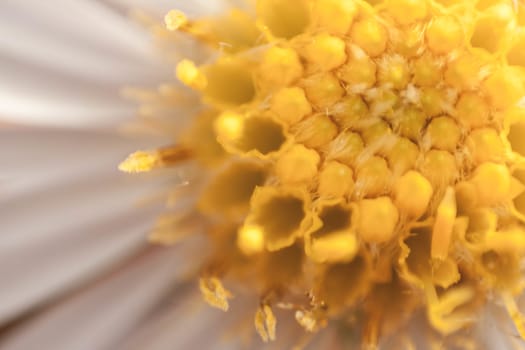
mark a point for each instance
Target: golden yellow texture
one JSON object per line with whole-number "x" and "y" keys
{"x": 367, "y": 154}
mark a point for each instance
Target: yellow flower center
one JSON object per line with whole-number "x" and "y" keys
{"x": 368, "y": 154}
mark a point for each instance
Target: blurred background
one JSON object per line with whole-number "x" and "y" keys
{"x": 76, "y": 271}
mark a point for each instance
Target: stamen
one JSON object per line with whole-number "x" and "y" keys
{"x": 442, "y": 230}
{"x": 190, "y": 75}
{"x": 265, "y": 323}
{"x": 214, "y": 293}
{"x": 175, "y": 20}
{"x": 144, "y": 161}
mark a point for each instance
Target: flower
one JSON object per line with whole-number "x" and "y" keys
{"x": 360, "y": 155}
{"x": 354, "y": 165}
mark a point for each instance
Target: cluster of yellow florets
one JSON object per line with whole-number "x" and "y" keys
{"x": 367, "y": 154}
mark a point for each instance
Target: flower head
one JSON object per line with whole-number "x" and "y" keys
{"x": 367, "y": 155}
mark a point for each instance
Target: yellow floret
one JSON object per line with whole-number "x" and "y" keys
{"x": 335, "y": 180}
{"x": 377, "y": 134}
{"x": 394, "y": 71}
{"x": 426, "y": 71}
{"x": 412, "y": 193}
{"x": 325, "y": 52}
{"x": 466, "y": 197}
{"x": 516, "y": 53}
{"x": 491, "y": 28}
{"x": 439, "y": 167}
{"x": 464, "y": 72}
{"x": 290, "y": 104}
{"x": 485, "y": 145}
{"x": 229, "y": 82}
{"x": 433, "y": 101}
{"x": 504, "y": 88}
{"x": 492, "y": 182}
{"x": 377, "y": 220}
{"x": 516, "y": 130}
{"x": 349, "y": 111}
{"x": 370, "y": 36}
{"x": 402, "y": 156}
{"x": 444, "y": 34}
{"x": 331, "y": 238}
{"x": 443, "y": 133}
{"x": 334, "y": 16}
{"x": 280, "y": 213}
{"x": 316, "y": 131}
{"x": 284, "y": 18}
{"x": 323, "y": 90}
{"x": 383, "y": 102}
{"x": 229, "y": 192}
{"x": 472, "y": 110}
{"x": 298, "y": 164}
{"x": 373, "y": 177}
{"x": 257, "y": 135}
{"x": 358, "y": 72}
{"x": 410, "y": 122}
{"x": 346, "y": 147}
{"x": 407, "y": 11}
{"x": 280, "y": 67}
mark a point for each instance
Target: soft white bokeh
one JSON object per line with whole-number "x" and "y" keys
{"x": 77, "y": 271}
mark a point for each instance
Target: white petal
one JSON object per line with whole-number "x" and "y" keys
{"x": 61, "y": 210}
{"x": 99, "y": 317}
{"x": 189, "y": 323}
{"x": 161, "y": 7}
{"x": 495, "y": 330}
{"x": 71, "y": 214}
{"x": 66, "y": 67}
{"x": 35, "y": 159}
{"x": 81, "y": 24}
{"x": 37, "y": 272}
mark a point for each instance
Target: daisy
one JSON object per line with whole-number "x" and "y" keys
{"x": 344, "y": 173}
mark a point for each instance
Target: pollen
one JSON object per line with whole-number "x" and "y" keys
{"x": 140, "y": 162}
{"x": 356, "y": 163}
{"x": 175, "y": 20}
{"x": 190, "y": 75}
{"x": 229, "y": 126}
{"x": 250, "y": 240}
